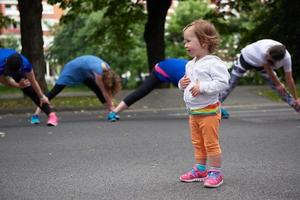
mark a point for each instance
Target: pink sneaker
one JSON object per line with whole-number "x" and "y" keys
{"x": 52, "y": 120}
{"x": 214, "y": 178}
{"x": 193, "y": 175}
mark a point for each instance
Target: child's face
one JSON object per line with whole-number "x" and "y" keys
{"x": 192, "y": 44}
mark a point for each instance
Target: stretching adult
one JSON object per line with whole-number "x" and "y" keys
{"x": 167, "y": 71}
{"x": 265, "y": 56}
{"x": 16, "y": 71}
{"x": 91, "y": 71}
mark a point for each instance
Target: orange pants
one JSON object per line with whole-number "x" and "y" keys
{"x": 205, "y": 135}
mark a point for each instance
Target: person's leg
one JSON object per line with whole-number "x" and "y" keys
{"x": 236, "y": 73}
{"x": 29, "y": 91}
{"x": 120, "y": 107}
{"x": 51, "y": 94}
{"x": 144, "y": 89}
{"x": 235, "y": 76}
{"x": 233, "y": 81}
{"x": 210, "y": 129}
{"x": 55, "y": 91}
{"x": 286, "y": 97}
{"x": 52, "y": 118}
{"x": 198, "y": 172}
{"x": 17, "y": 77}
{"x": 91, "y": 83}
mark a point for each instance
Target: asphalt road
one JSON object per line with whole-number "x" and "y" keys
{"x": 142, "y": 156}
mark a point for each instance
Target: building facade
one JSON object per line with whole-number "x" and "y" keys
{"x": 50, "y": 17}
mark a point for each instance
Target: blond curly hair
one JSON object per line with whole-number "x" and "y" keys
{"x": 112, "y": 82}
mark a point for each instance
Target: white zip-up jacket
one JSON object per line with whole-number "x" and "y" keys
{"x": 213, "y": 77}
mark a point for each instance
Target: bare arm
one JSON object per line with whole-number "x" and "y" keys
{"x": 291, "y": 84}
{"x": 272, "y": 75}
{"x": 11, "y": 83}
{"x": 279, "y": 86}
{"x": 99, "y": 82}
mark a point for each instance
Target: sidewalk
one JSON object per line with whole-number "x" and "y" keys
{"x": 242, "y": 96}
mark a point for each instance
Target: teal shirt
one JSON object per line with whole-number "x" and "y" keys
{"x": 78, "y": 70}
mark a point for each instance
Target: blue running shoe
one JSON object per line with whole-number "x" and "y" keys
{"x": 225, "y": 113}
{"x": 112, "y": 116}
{"x": 35, "y": 119}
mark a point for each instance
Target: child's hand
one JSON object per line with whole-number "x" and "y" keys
{"x": 184, "y": 82}
{"x": 195, "y": 90}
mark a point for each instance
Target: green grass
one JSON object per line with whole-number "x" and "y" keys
{"x": 78, "y": 102}
{"x": 82, "y": 102}
{"x": 7, "y": 90}
{"x": 272, "y": 95}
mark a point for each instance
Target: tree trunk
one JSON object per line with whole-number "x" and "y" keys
{"x": 32, "y": 37}
{"x": 155, "y": 30}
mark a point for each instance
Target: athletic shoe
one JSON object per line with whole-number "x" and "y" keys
{"x": 52, "y": 120}
{"x": 112, "y": 116}
{"x": 35, "y": 119}
{"x": 214, "y": 178}
{"x": 194, "y": 175}
{"x": 225, "y": 114}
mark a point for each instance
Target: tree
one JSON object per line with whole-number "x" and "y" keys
{"x": 7, "y": 42}
{"x": 155, "y": 30}
{"x": 122, "y": 13}
{"x": 10, "y": 42}
{"x": 185, "y": 12}
{"x": 90, "y": 33}
{"x": 32, "y": 37}
{"x": 5, "y": 21}
{"x": 278, "y": 20}
{"x": 190, "y": 10}
{"x": 111, "y": 30}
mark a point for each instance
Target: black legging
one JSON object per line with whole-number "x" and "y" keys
{"x": 29, "y": 91}
{"x": 145, "y": 88}
{"x": 89, "y": 82}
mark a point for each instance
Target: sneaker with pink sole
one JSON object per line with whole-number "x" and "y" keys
{"x": 214, "y": 178}
{"x": 52, "y": 120}
{"x": 194, "y": 175}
